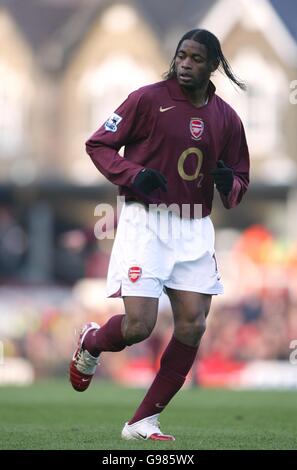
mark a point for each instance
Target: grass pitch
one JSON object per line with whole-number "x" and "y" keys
{"x": 50, "y": 415}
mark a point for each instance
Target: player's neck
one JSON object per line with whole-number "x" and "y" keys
{"x": 199, "y": 96}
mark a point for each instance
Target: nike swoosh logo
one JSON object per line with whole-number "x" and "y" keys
{"x": 159, "y": 406}
{"x": 142, "y": 435}
{"x": 85, "y": 380}
{"x": 162, "y": 110}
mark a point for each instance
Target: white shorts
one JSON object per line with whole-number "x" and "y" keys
{"x": 155, "y": 249}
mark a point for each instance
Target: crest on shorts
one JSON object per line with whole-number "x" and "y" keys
{"x": 196, "y": 128}
{"x": 134, "y": 273}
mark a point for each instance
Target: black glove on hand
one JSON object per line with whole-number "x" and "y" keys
{"x": 223, "y": 177}
{"x": 148, "y": 179}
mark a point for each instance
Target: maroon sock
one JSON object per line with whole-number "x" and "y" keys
{"x": 108, "y": 338}
{"x": 176, "y": 362}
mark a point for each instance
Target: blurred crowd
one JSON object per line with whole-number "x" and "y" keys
{"x": 71, "y": 251}
{"x": 256, "y": 319}
{"x": 259, "y": 327}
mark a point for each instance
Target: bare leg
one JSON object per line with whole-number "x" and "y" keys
{"x": 124, "y": 330}
{"x": 189, "y": 312}
{"x": 140, "y": 318}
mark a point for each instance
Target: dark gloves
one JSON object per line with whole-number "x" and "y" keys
{"x": 148, "y": 179}
{"x": 223, "y": 177}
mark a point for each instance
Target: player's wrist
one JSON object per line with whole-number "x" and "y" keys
{"x": 148, "y": 179}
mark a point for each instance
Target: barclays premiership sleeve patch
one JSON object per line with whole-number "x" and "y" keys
{"x": 112, "y": 122}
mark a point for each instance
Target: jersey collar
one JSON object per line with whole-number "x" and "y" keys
{"x": 176, "y": 93}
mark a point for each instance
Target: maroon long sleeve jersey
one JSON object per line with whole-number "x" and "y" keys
{"x": 161, "y": 129}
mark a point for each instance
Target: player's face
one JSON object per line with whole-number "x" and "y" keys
{"x": 193, "y": 69}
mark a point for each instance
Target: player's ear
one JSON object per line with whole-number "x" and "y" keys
{"x": 214, "y": 65}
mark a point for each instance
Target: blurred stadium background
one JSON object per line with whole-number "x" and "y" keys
{"x": 64, "y": 66}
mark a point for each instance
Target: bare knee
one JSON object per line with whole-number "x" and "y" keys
{"x": 140, "y": 318}
{"x": 191, "y": 327}
{"x": 136, "y": 331}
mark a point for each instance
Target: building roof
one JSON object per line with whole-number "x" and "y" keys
{"x": 171, "y": 16}
{"x": 60, "y": 25}
{"x": 39, "y": 20}
{"x": 287, "y": 11}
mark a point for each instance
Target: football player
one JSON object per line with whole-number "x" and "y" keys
{"x": 181, "y": 139}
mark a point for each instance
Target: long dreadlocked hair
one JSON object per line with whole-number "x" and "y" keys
{"x": 214, "y": 51}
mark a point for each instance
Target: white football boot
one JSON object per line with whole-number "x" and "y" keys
{"x": 147, "y": 428}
